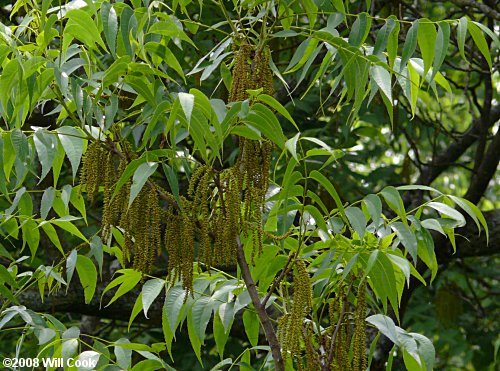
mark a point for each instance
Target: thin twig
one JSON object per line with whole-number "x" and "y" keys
{"x": 337, "y": 327}
{"x": 307, "y": 340}
{"x": 278, "y": 279}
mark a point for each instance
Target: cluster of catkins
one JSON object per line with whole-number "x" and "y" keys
{"x": 141, "y": 222}
{"x": 217, "y": 207}
{"x": 290, "y": 325}
{"x": 352, "y": 330}
{"x": 347, "y": 329}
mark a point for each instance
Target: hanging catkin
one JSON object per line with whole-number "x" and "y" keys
{"x": 252, "y": 71}
{"x": 291, "y": 324}
{"x": 93, "y": 170}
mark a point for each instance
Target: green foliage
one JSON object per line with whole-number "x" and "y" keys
{"x": 115, "y": 75}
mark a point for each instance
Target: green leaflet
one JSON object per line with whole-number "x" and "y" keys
{"x": 220, "y": 335}
{"x": 407, "y": 238}
{"x": 357, "y": 220}
{"x": 360, "y": 30}
{"x": 374, "y": 206}
{"x": 427, "y": 42}
{"x": 46, "y": 147}
{"x": 141, "y": 175}
{"x": 252, "y": 325}
{"x": 444, "y": 209}
{"x": 410, "y": 44}
{"x": 117, "y": 69}
{"x": 47, "y": 201}
{"x": 82, "y": 27}
{"x": 461, "y": 34}
{"x": 150, "y": 291}
{"x": 96, "y": 250}
{"x": 300, "y": 53}
{"x": 264, "y": 120}
{"x": 311, "y": 10}
{"x": 480, "y": 41}
{"x": 164, "y": 54}
{"x": 193, "y": 337}
{"x": 127, "y": 173}
{"x": 392, "y": 45}
{"x": 65, "y": 223}
{"x": 127, "y": 281}
{"x": 339, "y": 5}
{"x": 71, "y": 265}
{"x": 174, "y": 306}
{"x": 442, "y": 43}
{"x": 383, "y": 280}
{"x": 31, "y": 235}
{"x": 72, "y": 141}
{"x": 291, "y": 146}
{"x": 383, "y": 80}
{"x": 122, "y": 354}
{"x": 330, "y": 189}
{"x": 135, "y": 310}
{"x": 384, "y": 36}
{"x": 51, "y": 233}
{"x": 273, "y": 103}
{"x": 201, "y": 313}
{"x": 473, "y": 212}
{"x": 167, "y": 27}
{"x": 413, "y": 84}
{"x": 395, "y": 202}
{"x": 10, "y": 77}
{"x": 187, "y": 103}
{"x": 88, "y": 276}
{"x": 110, "y": 25}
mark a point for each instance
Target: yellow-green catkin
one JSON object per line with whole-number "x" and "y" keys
{"x": 242, "y": 74}
{"x": 194, "y": 180}
{"x": 188, "y": 244}
{"x": 252, "y": 71}
{"x": 341, "y": 347}
{"x": 139, "y": 230}
{"x": 232, "y": 217}
{"x": 254, "y": 166}
{"x": 308, "y": 336}
{"x": 217, "y": 227}
{"x": 172, "y": 242}
{"x": 200, "y": 191}
{"x": 359, "y": 361}
{"x": 93, "y": 169}
{"x": 120, "y": 202}
{"x": 107, "y": 214}
{"x": 282, "y": 332}
{"x": 225, "y": 241}
{"x": 291, "y": 328}
{"x": 126, "y": 220}
{"x": 154, "y": 209}
{"x": 262, "y": 74}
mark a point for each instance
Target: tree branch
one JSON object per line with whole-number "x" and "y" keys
{"x": 455, "y": 150}
{"x": 259, "y": 307}
{"x": 483, "y": 8}
{"x": 485, "y": 171}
